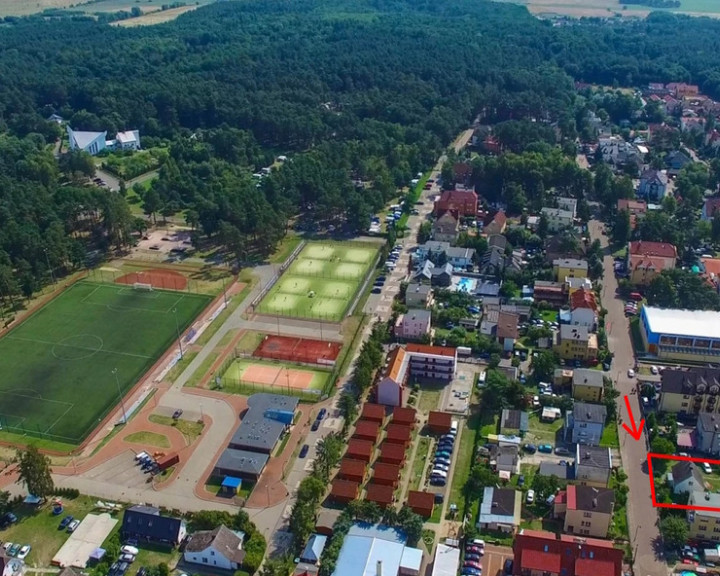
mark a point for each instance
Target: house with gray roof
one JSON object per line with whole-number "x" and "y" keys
{"x": 707, "y": 433}
{"x": 685, "y": 477}
{"x": 220, "y": 548}
{"x": 240, "y": 464}
{"x": 418, "y": 295}
{"x": 265, "y": 420}
{"x": 593, "y": 466}
{"x": 513, "y": 422}
{"x": 585, "y": 423}
{"x": 500, "y": 509}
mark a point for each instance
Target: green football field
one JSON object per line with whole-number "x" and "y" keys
{"x": 56, "y": 368}
{"x": 321, "y": 282}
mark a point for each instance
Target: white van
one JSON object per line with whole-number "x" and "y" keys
{"x": 390, "y": 265}
{"x": 482, "y": 377}
{"x": 141, "y": 456}
{"x": 454, "y": 427}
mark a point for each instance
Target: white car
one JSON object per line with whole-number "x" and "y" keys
{"x": 654, "y": 370}
{"x": 631, "y": 373}
{"x": 530, "y": 498}
{"x": 24, "y": 551}
{"x": 706, "y": 468}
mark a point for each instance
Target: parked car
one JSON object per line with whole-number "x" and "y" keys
{"x": 631, "y": 373}
{"x": 142, "y": 571}
{"x": 65, "y": 521}
{"x": 545, "y": 448}
{"x": 315, "y": 425}
{"x": 130, "y": 548}
{"x": 376, "y": 291}
{"x": 706, "y": 468}
{"x": 443, "y": 453}
{"x": 443, "y": 467}
{"x": 129, "y": 558}
{"x": 445, "y": 461}
{"x": 508, "y": 568}
{"x": 530, "y": 498}
{"x": 438, "y": 481}
{"x": 24, "y": 551}
{"x": 14, "y": 549}
{"x": 474, "y": 557}
{"x": 73, "y": 526}
{"x": 322, "y": 413}
{"x": 304, "y": 451}
{"x": 177, "y": 413}
{"x": 472, "y": 564}
{"x": 447, "y": 446}
{"x": 560, "y": 451}
{"x": 7, "y": 546}
{"x": 7, "y": 519}
{"x": 521, "y": 480}
{"x": 474, "y": 550}
{"x": 530, "y": 448}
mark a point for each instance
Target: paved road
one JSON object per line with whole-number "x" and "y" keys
{"x": 642, "y": 516}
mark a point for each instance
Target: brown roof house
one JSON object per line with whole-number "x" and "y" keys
{"x": 397, "y": 434}
{"x": 219, "y": 548}
{"x": 366, "y": 430}
{"x": 404, "y": 416}
{"x": 344, "y": 491}
{"x": 507, "y": 330}
{"x": 360, "y": 449}
{"x": 439, "y": 422}
{"x": 457, "y": 202}
{"x": 352, "y": 470}
{"x": 387, "y": 474}
{"x": 421, "y": 503}
{"x": 373, "y": 412}
{"x": 392, "y": 453}
{"x": 381, "y": 494}
{"x": 646, "y": 260}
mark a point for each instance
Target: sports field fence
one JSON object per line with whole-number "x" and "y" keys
{"x": 156, "y": 277}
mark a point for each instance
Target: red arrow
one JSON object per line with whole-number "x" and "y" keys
{"x": 634, "y": 432}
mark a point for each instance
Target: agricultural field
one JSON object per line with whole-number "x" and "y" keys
{"x": 609, "y": 8}
{"x": 321, "y": 282}
{"x": 64, "y": 368}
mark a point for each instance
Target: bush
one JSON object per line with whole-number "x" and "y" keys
{"x": 71, "y": 493}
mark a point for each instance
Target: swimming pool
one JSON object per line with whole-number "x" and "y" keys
{"x": 464, "y": 284}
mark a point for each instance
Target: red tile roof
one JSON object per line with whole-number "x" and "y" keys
{"x": 367, "y": 429}
{"x": 421, "y": 500}
{"x": 352, "y": 468}
{"x": 359, "y": 448}
{"x": 583, "y": 299}
{"x": 436, "y": 350}
{"x": 373, "y": 412}
{"x": 392, "y": 452}
{"x": 436, "y": 418}
{"x": 344, "y": 489}
{"x": 389, "y": 472}
{"x": 594, "y": 567}
{"x": 571, "y": 497}
{"x": 398, "y": 433}
{"x": 395, "y": 363}
{"x": 507, "y": 326}
{"x": 542, "y": 561}
{"x": 632, "y": 205}
{"x": 401, "y": 415}
{"x": 661, "y": 249}
{"x": 380, "y": 494}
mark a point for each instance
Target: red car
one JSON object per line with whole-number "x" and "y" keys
{"x": 472, "y": 564}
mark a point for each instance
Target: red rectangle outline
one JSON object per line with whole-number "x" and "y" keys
{"x": 655, "y": 503}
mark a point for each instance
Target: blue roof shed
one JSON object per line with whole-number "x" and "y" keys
{"x": 313, "y": 549}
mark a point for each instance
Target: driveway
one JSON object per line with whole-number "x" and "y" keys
{"x": 642, "y": 516}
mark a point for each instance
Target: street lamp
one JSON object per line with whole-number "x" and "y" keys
{"x": 122, "y": 402}
{"x": 177, "y": 331}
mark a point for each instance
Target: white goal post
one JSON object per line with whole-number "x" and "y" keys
{"x": 143, "y": 286}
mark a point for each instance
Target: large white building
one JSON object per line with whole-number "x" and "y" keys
{"x": 681, "y": 334}
{"x": 95, "y": 142}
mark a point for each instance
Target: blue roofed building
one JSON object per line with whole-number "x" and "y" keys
{"x": 371, "y": 549}
{"x": 267, "y": 417}
{"x": 314, "y": 548}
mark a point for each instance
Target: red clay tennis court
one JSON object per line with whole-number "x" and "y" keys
{"x": 277, "y": 376}
{"x": 298, "y": 350}
{"x": 157, "y": 277}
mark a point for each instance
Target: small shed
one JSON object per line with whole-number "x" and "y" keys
{"x": 360, "y": 449}
{"x": 387, "y": 474}
{"x": 367, "y": 430}
{"x": 344, "y": 491}
{"x": 397, "y": 434}
{"x": 439, "y": 422}
{"x": 382, "y": 495}
{"x": 353, "y": 470}
{"x": 314, "y": 549}
{"x": 373, "y": 413}
{"x": 231, "y": 485}
{"x": 405, "y": 416}
{"x": 392, "y": 453}
{"x": 421, "y": 503}
{"x": 326, "y": 521}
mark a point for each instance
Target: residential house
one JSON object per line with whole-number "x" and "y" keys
{"x": 439, "y": 422}
{"x": 704, "y": 525}
{"x": 685, "y": 478}
{"x": 386, "y": 474}
{"x": 392, "y": 453}
{"x": 584, "y": 309}
{"x": 692, "y": 124}
{"x": 569, "y": 268}
{"x": 397, "y": 434}
{"x": 584, "y": 424}
{"x": 489, "y": 322}
{"x": 145, "y": 524}
{"x": 220, "y": 548}
{"x": 587, "y": 385}
{"x": 545, "y": 553}
{"x": 614, "y": 150}
{"x": 496, "y": 225}
{"x": 575, "y": 284}
{"x": 593, "y": 466}
{"x": 314, "y": 549}
{"x": 676, "y": 161}
{"x": 587, "y": 510}
{"x": 431, "y": 250}
{"x": 569, "y": 204}
{"x": 636, "y": 209}
{"x": 710, "y": 270}
{"x": 500, "y": 509}
{"x": 352, "y": 470}
{"x": 90, "y": 142}
{"x": 459, "y": 203}
{"x": 565, "y": 244}
{"x": 422, "y": 503}
{"x": 493, "y": 262}
{"x": 413, "y": 325}
{"x": 710, "y": 207}
{"x": 707, "y": 433}
{"x": 128, "y": 140}
{"x": 575, "y": 343}
{"x": 373, "y": 413}
{"x": 462, "y": 172}
{"x": 513, "y": 422}
{"x": 460, "y": 257}
{"x": 646, "y": 260}
{"x": 358, "y": 449}
{"x": 367, "y": 430}
{"x": 433, "y": 274}
{"x": 497, "y": 241}
{"x": 507, "y": 330}
{"x": 56, "y": 118}
{"x": 382, "y": 494}
{"x": 671, "y": 105}
{"x": 653, "y": 185}
{"x": 506, "y": 461}
{"x": 418, "y": 295}
{"x": 557, "y": 218}
{"x": 446, "y": 228}
{"x": 344, "y": 491}
{"x": 553, "y": 293}
{"x": 562, "y": 472}
{"x": 692, "y": 391}
{"x": 681, "y": 89}
{"x": 404, "y": 416}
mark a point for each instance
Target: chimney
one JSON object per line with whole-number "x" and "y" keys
{"x": 378, "y": 568}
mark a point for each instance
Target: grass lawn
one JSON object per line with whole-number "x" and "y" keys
{"x": 428, "y": 538}
{"x": 542, "y": 432}
{"x": 495, "y": 537}
{"x": 281, "y": 446}
{"x": 39, "y": 528}
{"x": 149, "y": 438}
{"x": 610, "y": 437}
{"x": 203, "y": 369}
{"x": 420, "y": 462}
{"x": 61, "y": 369}
{"x": 464, "y": 459}
{"x": 429, "y": 398}
{"x": 233, "y": 303}
{"x": 214, "y": 488}
{"x": 285, "y": 248}
{"x": 321, "y": 282}
{"x": 549, "y": 315}
{"x": 188, "y": 428}
{"x": 154, "y": 554}
{"x": 250, "y": 341}
{"x": 489, "y": 425}
{"x": 436, "y": 515}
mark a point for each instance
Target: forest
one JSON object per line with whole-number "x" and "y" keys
{"x": 364, "y": 91}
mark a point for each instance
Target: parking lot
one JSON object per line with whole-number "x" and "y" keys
{"x": 456, "y": 397}
{"x": 494, "y": 559}
{"x": 120, "y": 471}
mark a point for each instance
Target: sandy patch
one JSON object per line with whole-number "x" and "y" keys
{"x": 157, "y": 17}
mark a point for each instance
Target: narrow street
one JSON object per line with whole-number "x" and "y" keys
{"x": 642, "y": 516}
